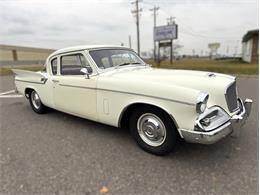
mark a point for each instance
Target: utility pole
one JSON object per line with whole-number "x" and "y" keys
{"x": 136, "y": 14}
{"x": 130, "y": 41}
{"x": 236, "y": 48}
{"x": 235, "y": 51}
{"x": 154, "y": 10}
{"x": 171, "y": 20}
{"x": 193, "y": 52}
{"x": 227, "y": 50}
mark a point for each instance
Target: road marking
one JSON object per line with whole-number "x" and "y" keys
{"x": 7, "y": 92}
{"x": 11, "y": 96}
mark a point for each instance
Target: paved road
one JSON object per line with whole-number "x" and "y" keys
{"x": 58, "y": 153}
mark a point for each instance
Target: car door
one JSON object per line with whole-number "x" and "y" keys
{"x": 74, "y": 92}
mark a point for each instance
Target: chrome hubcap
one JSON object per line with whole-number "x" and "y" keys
{"x": 36, "y": 100}
{"x": 151, "y": 129}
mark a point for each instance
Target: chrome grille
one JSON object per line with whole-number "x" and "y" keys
{"x": 231, "y": 97}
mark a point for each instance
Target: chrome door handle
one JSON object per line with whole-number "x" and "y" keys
{"x": 43, "y": 79}
{"x": 55, "y": 81}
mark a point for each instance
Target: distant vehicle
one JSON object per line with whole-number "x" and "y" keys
{"x": 114, "y": 86}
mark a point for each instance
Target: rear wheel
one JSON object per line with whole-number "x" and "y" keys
{"x": 36, "y": 103}
{"x": 153, "y": 130}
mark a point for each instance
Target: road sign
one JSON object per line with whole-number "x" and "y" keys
{"x": 213, "y": 49}
{"x": 165, "y": 44}
{"x": 214, "y": 46}
{"x": 167, "y": 32}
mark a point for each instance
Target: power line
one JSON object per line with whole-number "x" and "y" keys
{"x": 207, "y": 3}
{"x": 136, "y": 13}
{"x": 130, "y": 41}
{"x": 190, "y": 31}
{"x": 206, "y": 37}
{"x": 155, "y": 9}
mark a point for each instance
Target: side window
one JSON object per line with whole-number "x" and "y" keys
{"x": 54, "y": 66}
{"x": 71, "y": 64}
{"x": 133, "y": 58}
{"x": 120, "y": 59}
{"x": 105, "y": 62}
{"x": 85, "y": 63}
{"x": 44, "y": 68}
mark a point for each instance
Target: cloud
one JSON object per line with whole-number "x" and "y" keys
{"x": 61, "y": 23}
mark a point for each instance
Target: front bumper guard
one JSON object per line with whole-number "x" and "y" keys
{"x": 232, "y": 127}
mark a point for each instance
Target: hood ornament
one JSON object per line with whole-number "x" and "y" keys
{"x": 211, "y": 74}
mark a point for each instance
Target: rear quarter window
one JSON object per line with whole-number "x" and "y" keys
{"x": 54, "y": 66}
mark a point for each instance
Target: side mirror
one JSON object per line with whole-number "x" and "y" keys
{"x": 85, "y": 72}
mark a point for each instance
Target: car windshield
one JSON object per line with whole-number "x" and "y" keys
{"x": 106, "y": 58}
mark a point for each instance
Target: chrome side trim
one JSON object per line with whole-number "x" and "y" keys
{"x": 130, "y": 93}
{"x": 32, "y": 81}
{"x": 75, "y": 86}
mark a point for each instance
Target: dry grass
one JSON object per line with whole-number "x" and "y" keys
{"x": 221, "y": 66}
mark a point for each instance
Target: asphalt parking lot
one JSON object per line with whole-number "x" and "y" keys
{"x": 57, "y": 153}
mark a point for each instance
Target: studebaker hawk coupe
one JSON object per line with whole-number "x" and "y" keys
{"x": 114, "y": 86}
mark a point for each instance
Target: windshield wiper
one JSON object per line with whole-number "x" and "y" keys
{"x": 128, "y": 63}
{"x": 124, "y": 64}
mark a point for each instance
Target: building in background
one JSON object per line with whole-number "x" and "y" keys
{"x": 250, "y": 46}
{"x": 16, "y": 55}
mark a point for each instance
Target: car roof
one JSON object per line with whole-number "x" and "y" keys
{"x": 85, "y": 47}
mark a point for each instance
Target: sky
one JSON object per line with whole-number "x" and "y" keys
{"x": 56, "y": 24}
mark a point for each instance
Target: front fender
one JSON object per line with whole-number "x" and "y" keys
{"x": 111, "y": 106}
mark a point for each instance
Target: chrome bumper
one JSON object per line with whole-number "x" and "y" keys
{"x": 232, "y": 127}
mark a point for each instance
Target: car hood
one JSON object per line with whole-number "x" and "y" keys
{"x": 214, "y": 84}
{"x": 199, "y": 80}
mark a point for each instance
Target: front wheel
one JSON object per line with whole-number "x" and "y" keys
{"x": 153, "y": 130}
{"x": 36, "y": 103}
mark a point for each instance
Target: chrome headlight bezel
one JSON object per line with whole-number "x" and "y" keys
{"x": 211, "y": 119}
{"x": 201, "y": 103}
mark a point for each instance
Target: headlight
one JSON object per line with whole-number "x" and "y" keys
{"x": 201, "y": 107}
{"x": 202, "y": 102}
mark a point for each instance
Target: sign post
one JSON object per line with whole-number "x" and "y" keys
{"x": 213, "y": 49}
{"x": 165, "y": 36}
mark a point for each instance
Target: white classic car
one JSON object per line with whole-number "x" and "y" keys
{"x": 114, "y": 86}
